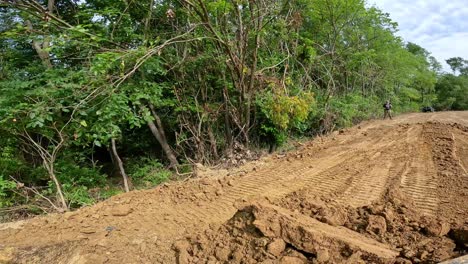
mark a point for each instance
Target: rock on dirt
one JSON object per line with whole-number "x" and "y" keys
{"x": 376, "y": 224}
{"x": 333, "y": 216}
{"x": 323, "y": 255}
{"x": 436, "y": 227}
{"x": 122, "y": 210}
{"x": 276, "y": 247}
{"x": 182, "y": 255}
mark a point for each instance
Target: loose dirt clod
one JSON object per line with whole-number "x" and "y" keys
{"x": 276, "y": 247}
{"x": 263, "y": 231}
{"x": 122, "y": 210}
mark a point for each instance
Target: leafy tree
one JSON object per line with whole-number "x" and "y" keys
{"x": 452, "y": 92}
{"x": 458, "y": 64}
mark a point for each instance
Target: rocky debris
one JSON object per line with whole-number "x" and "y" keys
{"x": 390, "y": 221}
{"x": 222, "y": 253}
{"x": 327, "y": 211}
{"x": 181, "y": 251}
{"x": 435, "y": 227}
{"x": 240, "y": 155}
{"x": 376, "y": 224}
{"x": 276, "y": 247}
{"x": 263, "y": 232}
{"x": 332, "y": 216}
{"x": 323, "y": 255}
{"x": 309, "y": 235}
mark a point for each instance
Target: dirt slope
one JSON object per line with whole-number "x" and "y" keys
{"x": 382, "y": 192}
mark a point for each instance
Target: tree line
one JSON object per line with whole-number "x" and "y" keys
{"x": 93, "y": 89}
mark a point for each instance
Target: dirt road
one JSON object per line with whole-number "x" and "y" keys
{"x": 373, "y": 193}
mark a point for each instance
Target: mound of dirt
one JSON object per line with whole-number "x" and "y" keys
{"x": 264, "y": 233}
{"x": 391, "y": 221}
{"x": 304, "y": 228}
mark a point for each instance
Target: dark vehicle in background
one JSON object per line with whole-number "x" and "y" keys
{"x": 427, "y": 109}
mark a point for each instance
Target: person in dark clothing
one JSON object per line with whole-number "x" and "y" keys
{"x": 387, "y": 109}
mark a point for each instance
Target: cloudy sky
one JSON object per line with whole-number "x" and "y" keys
{"x": 439, "y": 26}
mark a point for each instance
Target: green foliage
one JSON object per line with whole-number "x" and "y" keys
{"x": 147, "y": 172}
{"x": 452, "y": 92}
{"x": 77, "y": 195}
{"x": 74, "y": 174}
{"x": 6, "y": 187}
{"x": 10, "y": 166}
{"x": 458, "y": 64}
{"x": 284, "y": 112}
{"x": 77, "y": 181}
{"x": 10, "y": 163}
{"x": 355, "y": 107}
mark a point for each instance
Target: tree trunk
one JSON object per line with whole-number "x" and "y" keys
{"x": 214, "y": 148}
{"x": 227, "y": 123}
{"x": 50, "y": 170}
{"x": 148, "y": 18}
{"x": 250, "y": 88}
{"x": 42, "y": 48}
{"x": 120, "y": 165}
{"x": 247, "y": 105}
{"x": 158, "y": 132}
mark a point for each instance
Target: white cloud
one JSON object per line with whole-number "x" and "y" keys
{"x": 441, "y": 27}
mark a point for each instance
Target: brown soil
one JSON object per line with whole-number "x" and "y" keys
{"x": 381, "y": 192}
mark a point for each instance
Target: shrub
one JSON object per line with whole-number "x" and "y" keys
{"x": 77, "y": 196}
{"x": 11, "y": 165}
{"x": 282, "y": 112}
{"x": 147, "y": 172}
{"x": 6, "y": 187}
{"x": 77, "y": 181}
{"x": 354, "y": 107}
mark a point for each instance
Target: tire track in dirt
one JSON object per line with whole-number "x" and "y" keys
{"x": 451, "y": 176}
{"x": 370, "y": 186}
{"x": 419, "y": 182}
{"x": 381, "y": 167}
{"x": 321, "y": 182}
{"x": 337, "y": 176}
{"x": 272, "y": 182}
